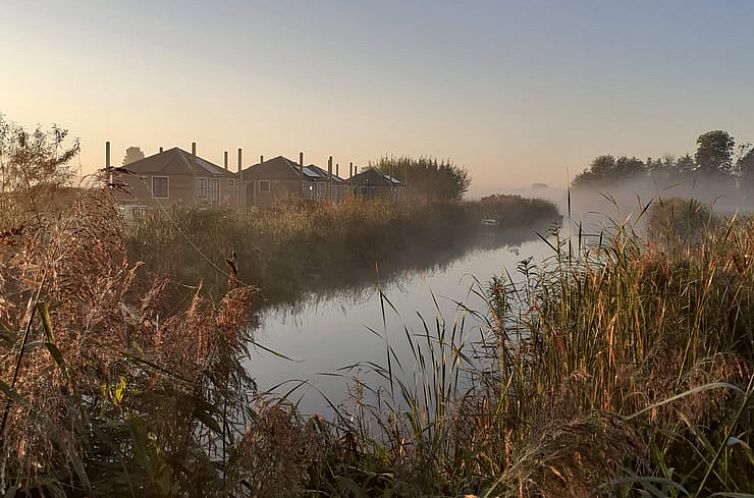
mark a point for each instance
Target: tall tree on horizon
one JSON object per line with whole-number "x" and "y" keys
{"x": 133, "y": 154}
{"x": 714, "y": 153}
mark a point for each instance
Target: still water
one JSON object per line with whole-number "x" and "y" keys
{"x": 332, "y": 332}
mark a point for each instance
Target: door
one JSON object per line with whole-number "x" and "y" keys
{"x": 214, "y": 191}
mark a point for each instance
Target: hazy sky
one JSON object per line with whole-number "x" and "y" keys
{"x": 515, "y": 91}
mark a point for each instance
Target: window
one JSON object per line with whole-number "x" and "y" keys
{"x": 214, "y": 191}
{"x": 231, "y": 183}
{"x": 364, "y": 191}
{"x": 201, "y": 188}
{"x": 264, "y": 185}
{"x": 160, "y": 187}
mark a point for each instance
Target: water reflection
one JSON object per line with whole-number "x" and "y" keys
{"x": 323, "y": 334}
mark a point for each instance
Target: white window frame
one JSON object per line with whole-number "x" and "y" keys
{"x": 269, "y": 186}
{"x": 167, "y": 187}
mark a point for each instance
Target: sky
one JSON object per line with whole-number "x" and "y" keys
{"x": 514, "y": 91}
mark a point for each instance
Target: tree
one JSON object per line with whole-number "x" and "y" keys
{"x": 40, "y": 158}
{"x": 607, "y": 170}
{"x": 745, "y": 165}
{"x": 133, "y": 154}
{"x": 714, "y": 153}
{"x": 426, "y": 179}
{"x": 685, "y": 164}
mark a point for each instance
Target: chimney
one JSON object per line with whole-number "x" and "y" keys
{"x": 107, "y": 164}
{"x": 337, "y": 169}
{"x": 160, "y": 150}
{"x": 355, "y": 170}
{"x": 193, "y": 148}
{"x": 261, "y": 159}
{"x": 225, "y": 160}
{"x": 350, "y": 169}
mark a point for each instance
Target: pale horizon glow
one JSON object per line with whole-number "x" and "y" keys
{"x": 515, "y": 91}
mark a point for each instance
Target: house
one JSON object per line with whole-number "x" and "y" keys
{"x": 174, "y": 177}
{"x": 328, "y": 186}
{"x": 276, "y": 180}
{"x": 269, "y": 183}
{"x": 374, "y": 184}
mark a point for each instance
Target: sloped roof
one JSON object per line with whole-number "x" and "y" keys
{"x": 277, "y": 168}
{"x": 322, "y": 173}
{"x": 175, "y": 159}
{"x": 373, "y": 176}
{"x": 312, "y": 173}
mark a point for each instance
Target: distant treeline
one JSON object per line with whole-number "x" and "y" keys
{"x": 716, "y": 158}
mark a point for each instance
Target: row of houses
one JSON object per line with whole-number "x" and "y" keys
{"x": 175, "y": 176}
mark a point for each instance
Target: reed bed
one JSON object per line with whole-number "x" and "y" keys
{"x": 312, "y": 247}
{"x": 621, "y": 366}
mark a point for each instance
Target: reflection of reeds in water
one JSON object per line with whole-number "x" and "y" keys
{"x": 397, "y": 282}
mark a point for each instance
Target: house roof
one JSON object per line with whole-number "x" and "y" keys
{"x": 373, "y": 176}
{"x": 175, "y": 161}
{"x": 322, "y": 174}
{"x": 277, "y": 168}
{"x": 311, "y": 173}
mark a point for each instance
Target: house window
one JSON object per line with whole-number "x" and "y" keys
{"x": 264, "y": 185}
{"x": 160, "y": 187}
{"x": 231, "y": 183}
{"x": 202, "y": 189}
{"x": 214, "y": 191}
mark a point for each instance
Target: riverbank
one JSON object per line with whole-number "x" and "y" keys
{"x": 618, "y": 367}
{"x": 304, "y": 248}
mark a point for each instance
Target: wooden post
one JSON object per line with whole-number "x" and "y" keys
{"x": 108, "y": 168}
{"x": 240, "y": 178}
{"x": 329, "y": 179}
